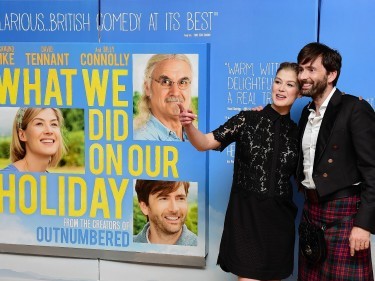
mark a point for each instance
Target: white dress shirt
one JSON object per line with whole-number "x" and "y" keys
{"x": 309, "y": 140}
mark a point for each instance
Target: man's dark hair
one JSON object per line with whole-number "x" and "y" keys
{"x": 146, "y": 187}
{"x": 331, "y": 59}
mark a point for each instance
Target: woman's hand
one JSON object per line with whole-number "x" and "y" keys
{"x": 186, "y": 115}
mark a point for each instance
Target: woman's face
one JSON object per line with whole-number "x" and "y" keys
{"x": 285, "y": 90}
{"x": 42, "y": 136}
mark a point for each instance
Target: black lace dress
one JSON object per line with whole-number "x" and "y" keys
{"x": 259, "y": 228}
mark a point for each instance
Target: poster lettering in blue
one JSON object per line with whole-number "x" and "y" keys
{"x": 89, "y": 202}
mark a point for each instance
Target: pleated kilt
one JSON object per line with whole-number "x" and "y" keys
{"x": 339, "y": 265}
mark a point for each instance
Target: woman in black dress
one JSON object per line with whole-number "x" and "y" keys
{"x": 259, "y": 230}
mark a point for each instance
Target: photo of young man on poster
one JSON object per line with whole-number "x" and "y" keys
{"x": 165, "y": 204}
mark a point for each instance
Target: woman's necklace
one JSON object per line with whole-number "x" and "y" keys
{"x": 26, "y": 166}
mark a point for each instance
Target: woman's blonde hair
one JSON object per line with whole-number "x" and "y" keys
{"x": 23, "y": 117}
{"x": 144, "y": 112}
{"x": 289, "y": 66}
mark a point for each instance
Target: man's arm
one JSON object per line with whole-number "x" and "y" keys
{"x": 363, "y": 135}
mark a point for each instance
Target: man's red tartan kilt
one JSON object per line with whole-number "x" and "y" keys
{"x": 339, "y": 265}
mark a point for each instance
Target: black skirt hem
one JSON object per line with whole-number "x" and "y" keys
{"x": 252, "y": 274}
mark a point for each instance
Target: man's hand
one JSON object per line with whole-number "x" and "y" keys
{"x": 359, "y": 97}
{"x": 257, "y": 108}
{"x": 186, "y": 116}
{"x": 359, "y": 239}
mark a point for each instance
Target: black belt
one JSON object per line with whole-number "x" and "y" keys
{"x": 313, "y": 196}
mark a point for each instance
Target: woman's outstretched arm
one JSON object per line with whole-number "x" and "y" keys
{"x": 199, "y": 140}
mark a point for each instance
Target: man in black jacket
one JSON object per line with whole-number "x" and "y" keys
{"x": 336, "y": 169}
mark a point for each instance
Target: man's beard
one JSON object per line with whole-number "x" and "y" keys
{"x": 164, "y": 228}
{"x": 317, "y": 89}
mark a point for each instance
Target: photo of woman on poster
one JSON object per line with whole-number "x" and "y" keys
{"x": 37, "y": 140}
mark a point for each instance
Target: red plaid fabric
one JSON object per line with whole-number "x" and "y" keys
{"x": 339, "y": 265}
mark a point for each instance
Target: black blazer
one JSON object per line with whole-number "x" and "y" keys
{"x": 345, "y": 152}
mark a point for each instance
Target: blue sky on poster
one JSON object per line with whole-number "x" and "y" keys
{"x": 6, "y": 120}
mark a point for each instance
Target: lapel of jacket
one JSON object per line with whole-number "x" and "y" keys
{"x": 302, "y": 126}
{"x": 328, "y": 123}
{"x": 303, "y": 120}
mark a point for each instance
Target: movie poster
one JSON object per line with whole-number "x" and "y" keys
{"x": 86, "y": 202}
